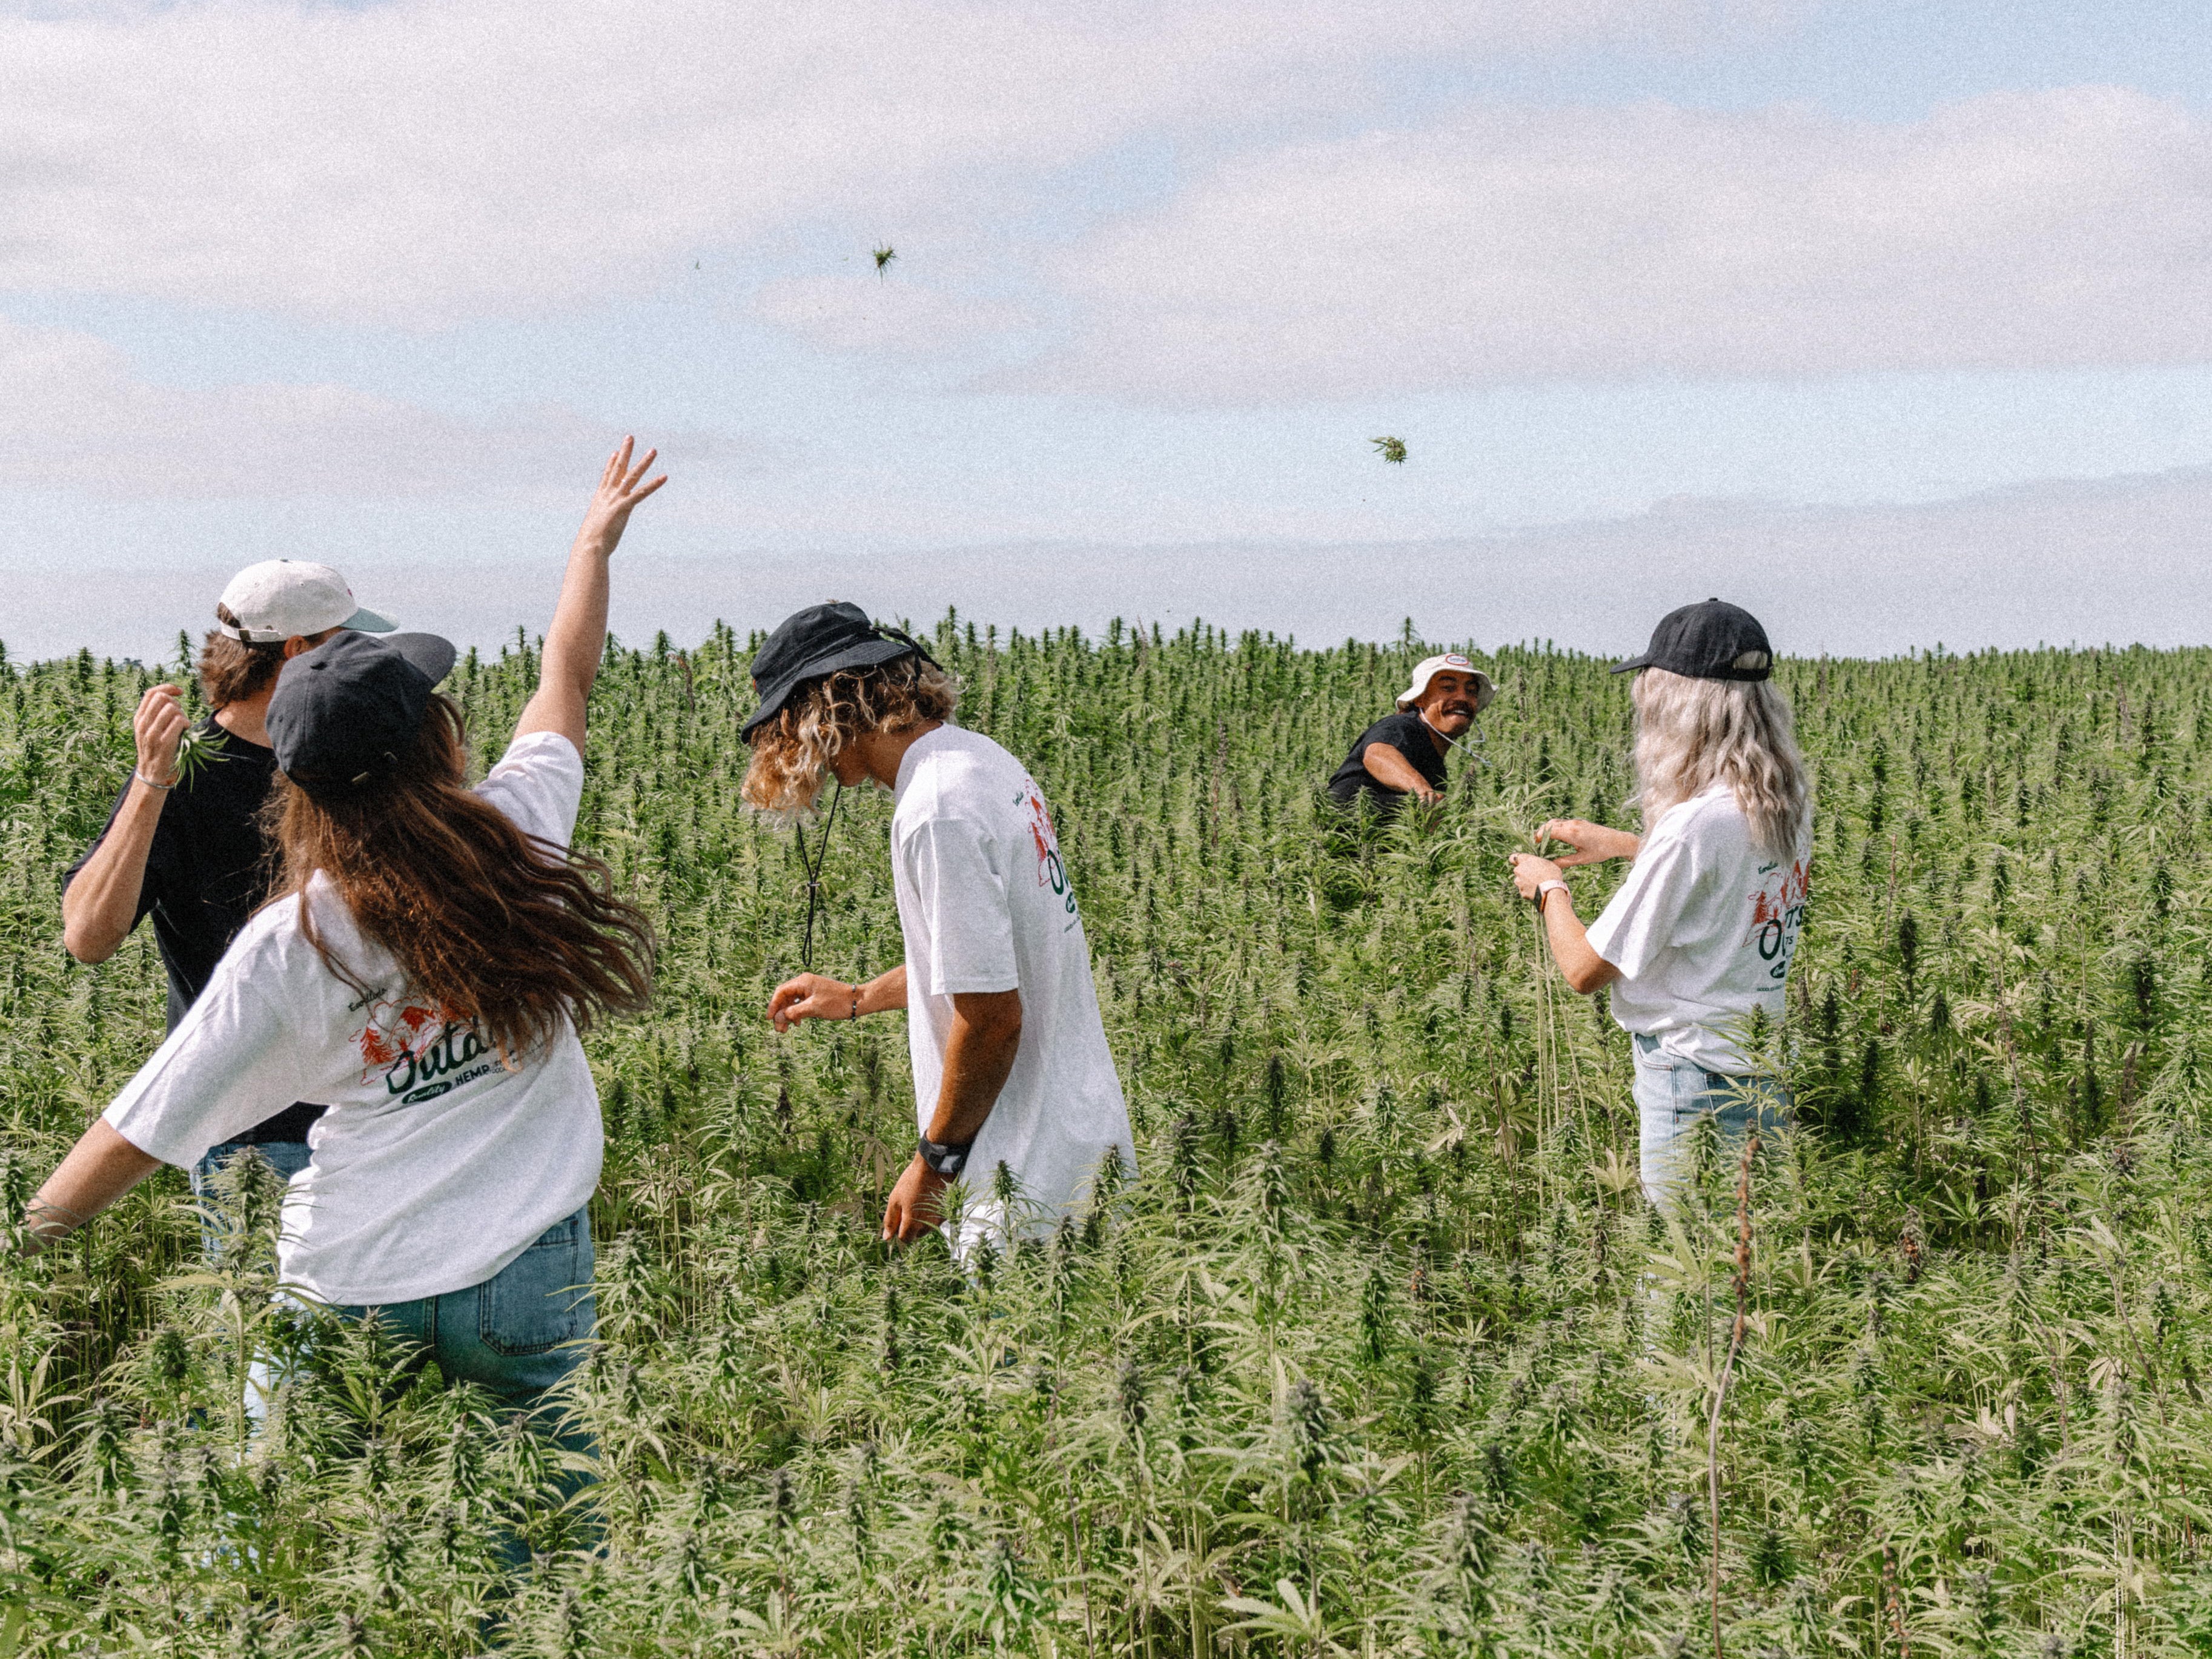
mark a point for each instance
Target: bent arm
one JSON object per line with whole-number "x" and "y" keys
{"x": 100, "y": 1168}
{"x": 1391, "y": 770}
{"x": 1582, "y": 967}
{"x": 577, "y": 639}
{"x": 1593, "y": 843}
{"x": 817, "y": 996}
{"x": 100, "y": 907}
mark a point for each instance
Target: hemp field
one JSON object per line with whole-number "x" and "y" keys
{"x": 1380, "y": 1354}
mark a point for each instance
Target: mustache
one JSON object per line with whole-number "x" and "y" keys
{"x": 1456, "y": 706}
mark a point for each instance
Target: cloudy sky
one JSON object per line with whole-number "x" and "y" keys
{"x": 1890, "y": 319}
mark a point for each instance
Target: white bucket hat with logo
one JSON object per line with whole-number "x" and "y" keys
{"x": 279, "y": 598}
{"x": 1429, "y": 668}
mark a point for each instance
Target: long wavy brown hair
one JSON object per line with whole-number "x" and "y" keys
{"x": 502, "y": 931}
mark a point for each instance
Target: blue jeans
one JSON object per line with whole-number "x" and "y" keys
{"x": 514, "y": 1335}
{"x": 287, "y": 1158}
{"x": 1672, "y": 1096}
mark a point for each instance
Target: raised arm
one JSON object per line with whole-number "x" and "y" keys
{"x": 100, "y": 907}
{"x": 578, "y": 638}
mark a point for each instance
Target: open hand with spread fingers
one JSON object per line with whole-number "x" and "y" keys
{"x": 620, "y": 489}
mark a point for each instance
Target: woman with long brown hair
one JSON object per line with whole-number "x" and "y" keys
{"x": 430, "y": 954}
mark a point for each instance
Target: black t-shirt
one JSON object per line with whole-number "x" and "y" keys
{"x": 1408, "y": 733}
{"x": 207, "y": 871}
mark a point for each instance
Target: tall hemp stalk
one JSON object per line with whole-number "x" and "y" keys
{"x": 1727, "y": 1371}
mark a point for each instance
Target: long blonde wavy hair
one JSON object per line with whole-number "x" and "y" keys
{"x": 792, "y": 751}
{"x": 1693, "y": 733}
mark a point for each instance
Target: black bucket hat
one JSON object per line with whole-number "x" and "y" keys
{"x": 343, "y": 712}
{"x": 818, "y": 641}
{"x": 1715, "y": 641}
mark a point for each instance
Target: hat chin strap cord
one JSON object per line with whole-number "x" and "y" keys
{"x": 813, "y": 868}
{"x": 1472, "y": 752}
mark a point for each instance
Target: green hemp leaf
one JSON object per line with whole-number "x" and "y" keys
{"x": 1390, "y": 449}
{"x": 197, "y": 748}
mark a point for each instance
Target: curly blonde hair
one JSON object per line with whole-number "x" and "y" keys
{"x": 1693, "y": 733}
{"x": 792, "y": 752}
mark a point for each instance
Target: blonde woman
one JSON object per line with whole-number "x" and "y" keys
{"x": 1697, "y": 943}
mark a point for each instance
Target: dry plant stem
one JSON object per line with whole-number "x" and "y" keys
{"x": 1727, "y": 1371}
{"x": 1896, "y": 1608}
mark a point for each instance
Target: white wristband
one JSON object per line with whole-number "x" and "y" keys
{"x": 150, "y": 783}
{"x": 1554, "y": 885}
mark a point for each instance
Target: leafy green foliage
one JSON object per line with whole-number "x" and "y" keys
{"x": 1381, "y": 1353}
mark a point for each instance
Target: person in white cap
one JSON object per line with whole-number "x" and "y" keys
{"x": 1403, "y": 754}
{"x": 188, "y": 851}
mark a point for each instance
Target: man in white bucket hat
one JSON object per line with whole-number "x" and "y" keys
{"x": 1403, "y": 754}
{"x": 187, "y": 850}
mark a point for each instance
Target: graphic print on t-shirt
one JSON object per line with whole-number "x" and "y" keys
{"x": 1051, "y": 873}
{"x": 421, "y": 1051}
{"x": 1776, "y": 916}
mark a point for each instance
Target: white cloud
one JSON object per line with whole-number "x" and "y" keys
{"x": 425, "y": 161}
{"x": 76, "y": 416}
{"x": 2015, "y": 230}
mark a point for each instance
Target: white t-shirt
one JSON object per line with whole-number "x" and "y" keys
{"x": 434, "y": 1166}
{"x": 985, "y": 905}
{"x": 1703, "y": 931}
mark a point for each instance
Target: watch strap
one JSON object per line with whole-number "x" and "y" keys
{"x": 947, "y": 1158}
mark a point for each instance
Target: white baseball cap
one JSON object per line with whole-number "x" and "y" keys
{"x": 1429, "y": 668}
{"x": 277, "y": 598}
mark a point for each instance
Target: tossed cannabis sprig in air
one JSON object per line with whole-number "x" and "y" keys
{"x": 1390, "y": 449}
{"x": 885, "y": 255}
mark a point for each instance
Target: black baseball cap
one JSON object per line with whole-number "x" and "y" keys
{"x": 1715, "y": 641}
{"x": 343, "y": 712}
{"x": 818, "y": 641}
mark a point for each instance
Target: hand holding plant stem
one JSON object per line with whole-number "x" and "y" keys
{"x": 159, "y": 728}
{"x": 1592, "y": 842}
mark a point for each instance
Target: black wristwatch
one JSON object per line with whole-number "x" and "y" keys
{"x": 947, "y": 1158}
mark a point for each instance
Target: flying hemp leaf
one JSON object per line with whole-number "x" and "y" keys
{"x": 1390, "y": 449}
{"x": 885, "y": 255}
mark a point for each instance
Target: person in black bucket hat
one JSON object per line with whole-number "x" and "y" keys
{"x": 816, "y": 642}
{"x": 1697, "y": 943}
{"x": 430, "y": 957}
{"x": 1015, "y": 1089}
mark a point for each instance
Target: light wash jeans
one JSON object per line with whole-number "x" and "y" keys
{"x": 514, "y": 1335}
{"x": 1672, "y": 1096}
